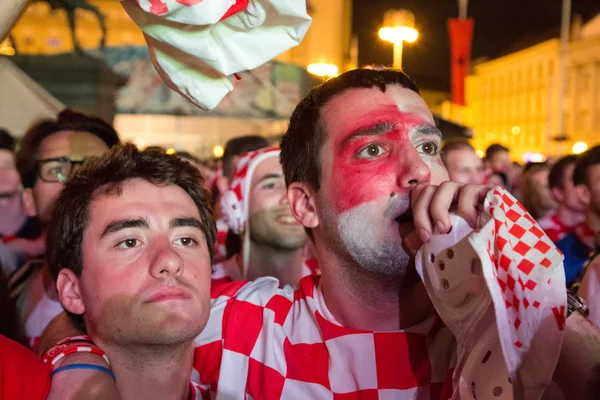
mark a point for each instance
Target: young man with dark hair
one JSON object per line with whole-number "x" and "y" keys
{"x": 497, "y": 158}
{"x": 578, "y": 245}
{"x": 571, "y": 210}
{"x": 361, "y": 161}
{"x": 270, "y": 240}
{"x": 49, "y": 153}
{"x": 20, "y": 234}
{"x": 462, "y": 163}
{"x": 129, "y": 245}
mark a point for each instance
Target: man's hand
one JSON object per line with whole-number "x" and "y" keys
{"x": 431, "y": 206}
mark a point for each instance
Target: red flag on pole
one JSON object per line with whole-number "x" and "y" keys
{"x": 461, "y": 36}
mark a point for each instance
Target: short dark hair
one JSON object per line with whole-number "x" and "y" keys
{"x": 557, "y": 172}
{"x": 494, "y": 149}
{"x": 586, "y": 161}
{"x": 454, "y": 144}
{"x": 301, "y": 145}
{"x": 67, "y": 120}
{"x": 238, "y": 146}
{"x": 7, "y": 141}
{"x": 106, "y": 175}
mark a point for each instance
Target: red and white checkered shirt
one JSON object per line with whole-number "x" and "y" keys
{"x": 263, "y": 342}
{"x": 220, "y": 251}
{"x": 554, "y": 227}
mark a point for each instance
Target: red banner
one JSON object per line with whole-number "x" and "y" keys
{"x": 461, "y": 36}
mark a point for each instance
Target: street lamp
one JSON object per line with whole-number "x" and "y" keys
{"x": 323, "y": 70}
{"x": 398, "y": 27}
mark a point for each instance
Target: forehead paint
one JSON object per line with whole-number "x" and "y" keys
{"x": 356, "y": 180}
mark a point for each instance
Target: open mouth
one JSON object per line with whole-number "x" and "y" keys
{"x": 405, "y": 218}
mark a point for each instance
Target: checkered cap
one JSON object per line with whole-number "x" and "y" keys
{"x": 234, "y": 202}
{"x": 262, "y": 342}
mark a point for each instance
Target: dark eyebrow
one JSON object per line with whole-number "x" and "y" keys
{"x": 427, "y": 130}
{"x": 185, "y": 221}
{"x": 121, "y": 224}
{"x": 380, "y": 128}
{"x": 268, "y": 176}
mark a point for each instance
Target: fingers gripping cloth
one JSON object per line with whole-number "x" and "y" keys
{"x": 234, "y": 202}
{"x": 501, "y": 290}
{"x": 196, "y": 45}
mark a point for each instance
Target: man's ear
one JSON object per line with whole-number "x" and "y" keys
{"x": 558, "y": 194}
{"x": 29, "y": 202}
{"x": 584, "y": 194}
{"x": 69, "y": 291}
{"x": 302, "y": 200}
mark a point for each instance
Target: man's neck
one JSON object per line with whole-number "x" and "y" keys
{"x": 13, "y": 215}
{"x": 285, "y": 265}
{"x": 359, "y": 300}
{"x": 152, "y": 372}
{"x": 568, "y": 217}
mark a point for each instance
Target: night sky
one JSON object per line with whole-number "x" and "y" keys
{"x": 499, "y": 25}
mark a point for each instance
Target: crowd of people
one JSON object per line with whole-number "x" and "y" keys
{"x": 278, "y": 272}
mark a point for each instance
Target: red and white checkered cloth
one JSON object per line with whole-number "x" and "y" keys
{"x": 220, "y": 254}
{"x": 507, "y": 268}
{"x": 263, "y": 342}
{"x": 197, "y": 45}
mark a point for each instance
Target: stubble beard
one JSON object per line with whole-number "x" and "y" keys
{"x": 369, "y": 253}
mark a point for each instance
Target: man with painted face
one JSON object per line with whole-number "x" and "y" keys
{"x": 269, "y": 240}
{"x": 361, "y": 161}
{"x": 49, "y": 153}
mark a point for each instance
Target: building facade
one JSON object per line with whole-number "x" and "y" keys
{"x": 514, "y": 99}
{"x": 43, "y": 31}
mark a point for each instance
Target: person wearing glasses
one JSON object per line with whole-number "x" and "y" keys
{"x": 49, "y": 153}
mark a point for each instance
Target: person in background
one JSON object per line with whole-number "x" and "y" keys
{"x": 23, "y": 376}
{"x": 49, "y": 154}
{"x": 129, "y": 246}
{"x": 20, "y": 234}
{"x": 234, "y": 149}
{"x": 270, "y": 242}
{"x": 204, "y": 169}
{"x": 497, "y": 159}
{"x": 571, "y": 209}
{"x": 581, "y": 241}
{"x": 535, "y": 190}
{"x": 462, "y": 162}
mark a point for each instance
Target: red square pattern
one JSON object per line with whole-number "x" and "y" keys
{"x": 242, "y": 323}
{"x": 542, "y": 247}
{"x": 307, "y": 362}
{"x": 281, "y": 306}
{"x": 525, "y": 266}
{"x": 517, "y": 231}
{"x": 264, "y": 382}
{"x": 368, "y": 394}
{"x": 207, "y": 361}
{"x": 522, "y": 248}
{"x": 402, "y": 360}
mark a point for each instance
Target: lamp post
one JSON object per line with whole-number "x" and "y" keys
{"x": 398, "y": 27}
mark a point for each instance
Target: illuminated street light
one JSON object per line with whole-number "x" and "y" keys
{"x": 218, "y": 151}
{"x": 398, "y": 27}
{"x": 579, "y": 147}
{"x": 515, "y": 130}
{"x": 323, "y": 70}
{"x": 170, "y": 151}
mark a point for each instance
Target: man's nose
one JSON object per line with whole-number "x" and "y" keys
{"x": 165, "y": 261}
{"x": 412, "y": 170}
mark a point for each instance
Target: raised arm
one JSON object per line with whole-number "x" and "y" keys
{"x": 77, "y": 383}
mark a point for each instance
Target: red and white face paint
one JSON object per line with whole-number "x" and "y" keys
{"x": 379, "y": 146}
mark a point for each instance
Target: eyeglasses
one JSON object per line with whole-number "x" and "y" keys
{"x": 57, "y": 169}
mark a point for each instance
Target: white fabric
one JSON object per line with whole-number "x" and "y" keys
{"x": 501, "y": 291}
{"x": 195, "y": 52}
